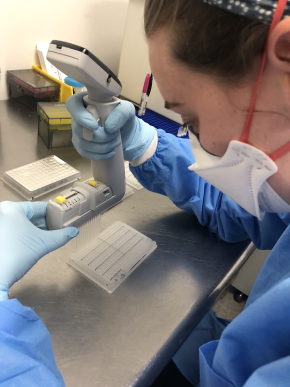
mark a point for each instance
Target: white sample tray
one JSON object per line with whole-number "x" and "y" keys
{"x": 117, "y": 252}
{"x": 42, "y": 176}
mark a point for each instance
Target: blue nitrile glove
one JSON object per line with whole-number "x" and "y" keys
{"x": 24, "y": 239}
{"x": 136, "y": 134}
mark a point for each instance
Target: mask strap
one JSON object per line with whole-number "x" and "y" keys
{"x": 276, "y": 18}
{"x": 280, "y": 152}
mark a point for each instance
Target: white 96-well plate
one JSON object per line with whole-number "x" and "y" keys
{"x": 42, "y": 176}
{"x": 118, "y": 251}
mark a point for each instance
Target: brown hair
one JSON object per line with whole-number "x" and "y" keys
{"x": 207, "y": 38}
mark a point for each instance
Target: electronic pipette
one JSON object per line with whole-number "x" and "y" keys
{"x": 83, "y": 201}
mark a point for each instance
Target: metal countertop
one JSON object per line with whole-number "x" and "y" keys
{"x": 127, "y": 337}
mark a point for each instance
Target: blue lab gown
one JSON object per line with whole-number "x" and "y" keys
{"x": 26, "y": 353}
{"x": 253, "y": 350}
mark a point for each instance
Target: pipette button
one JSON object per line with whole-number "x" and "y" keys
{"x": 60, "y": 199}
{"x": 93, "y": 183}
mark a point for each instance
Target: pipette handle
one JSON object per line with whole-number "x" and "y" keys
{"x": 87, "y": 133}
{"x": 110, "y": 171}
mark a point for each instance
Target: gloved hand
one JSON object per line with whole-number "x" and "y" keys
{"x": 24, "y": 239}
{"x": 135, "y": 133}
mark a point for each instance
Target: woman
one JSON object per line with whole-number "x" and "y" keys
{"x": 207, "y": 59}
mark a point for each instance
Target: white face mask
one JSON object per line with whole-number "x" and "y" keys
{"x": 240, "y": 174}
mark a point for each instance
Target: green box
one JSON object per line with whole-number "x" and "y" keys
{"x": 54, "y": 124}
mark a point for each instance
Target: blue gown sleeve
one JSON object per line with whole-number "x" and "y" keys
{"x": 26, "y": 353}
{"x": 254, "y": 349}
{"x": 167, "y": 173}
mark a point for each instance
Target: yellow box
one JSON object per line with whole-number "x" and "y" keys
{"x": 65, "y": 90}
{"x": 54, "y": 124}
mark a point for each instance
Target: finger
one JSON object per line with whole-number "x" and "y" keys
{"x": 22, "y": 207}
{"x": 94, "y": 147}
{"x": 36, "y": 214}
{"x": 100, "y": 135}
{"x": 32, "y": 211}
{"x": 58, "y": 238}
{"x": 36, "y": 210}
{"x": 120, "y": 115}
{"x": 92, "y": 156}
{"x": 79, "y": 113}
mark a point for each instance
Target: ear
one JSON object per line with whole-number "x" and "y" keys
{"x": 278, "y": 50}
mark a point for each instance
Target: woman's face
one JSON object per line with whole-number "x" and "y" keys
{"x": 218, "y": 111}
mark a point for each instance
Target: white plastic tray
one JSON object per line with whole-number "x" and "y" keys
{"x": 118, "y": 251}
{"x": 38, "y": 178}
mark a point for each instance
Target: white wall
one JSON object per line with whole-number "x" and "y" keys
{"x": 97, "y": 25}
{"x": 134, "y": 64}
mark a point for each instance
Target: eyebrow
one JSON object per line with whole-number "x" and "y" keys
{"x": 170, "y": 105}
